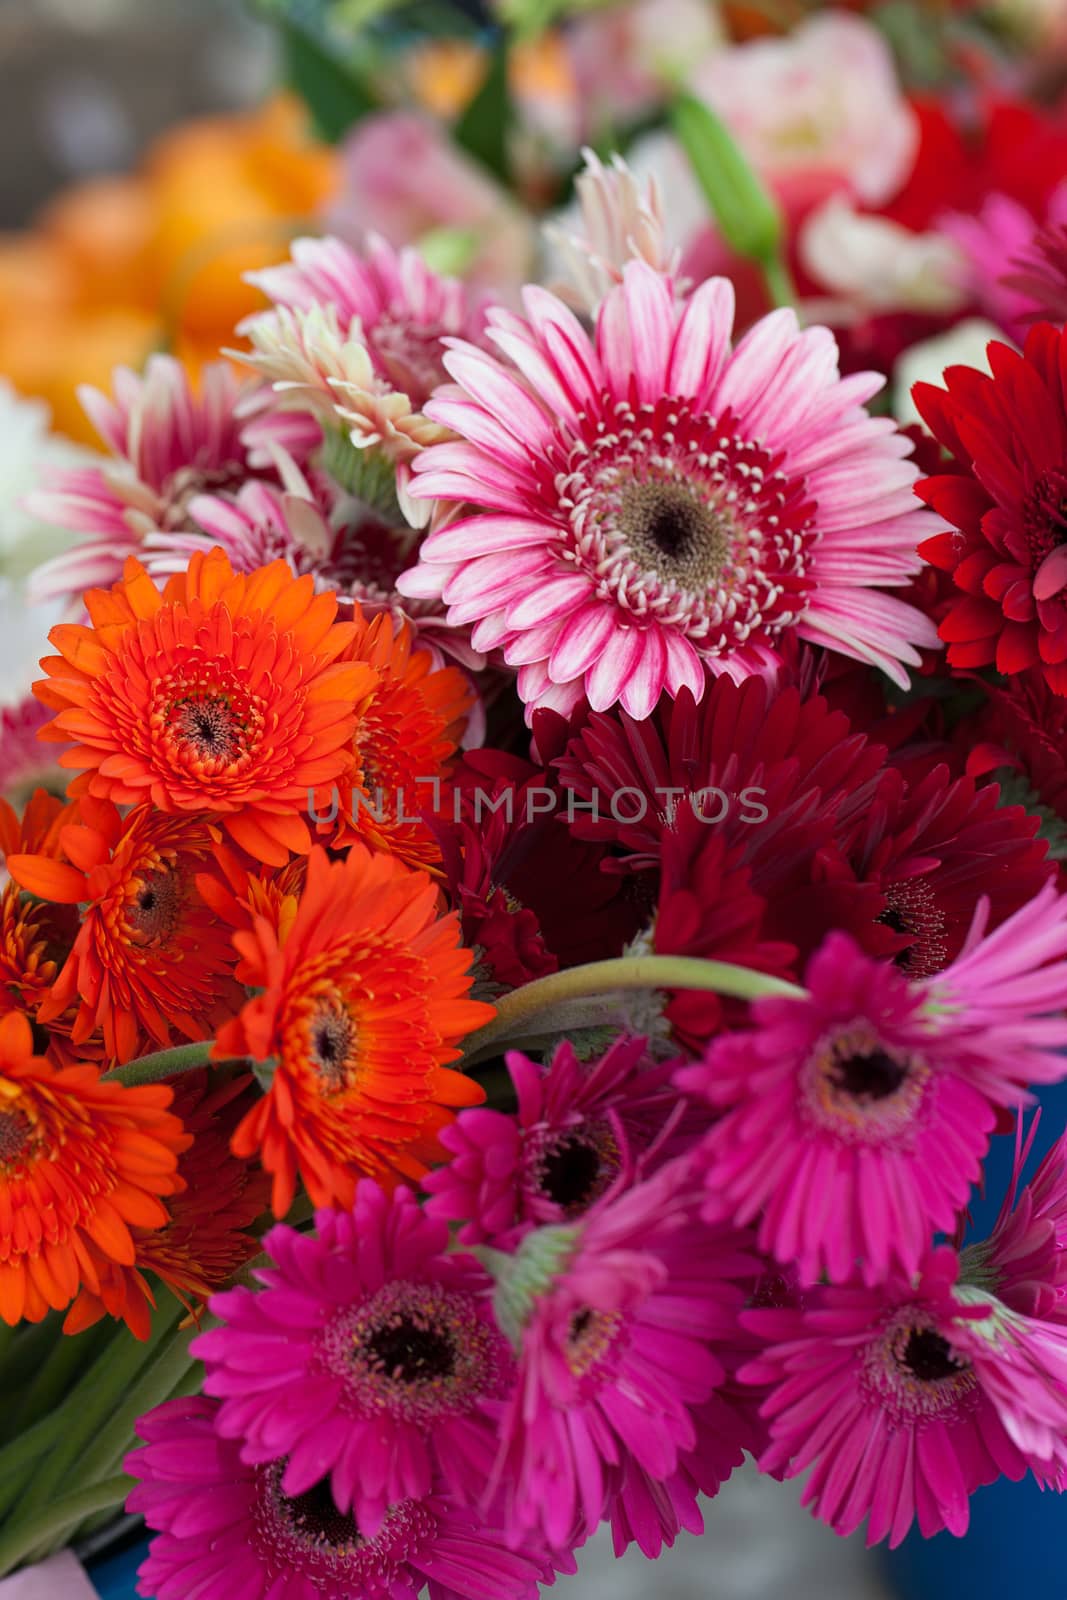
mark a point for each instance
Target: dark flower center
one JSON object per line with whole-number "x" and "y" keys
{"x": 670, "y": 529}
{"x": 1045, "y": 515}
{"x": 332, "y": 1038}
{"x": 314, "y": 1515}
{"x": 411, "y": 1353}
{"x": 928, "y": 1356}
{"x": 15, "y": 1132}
{"x": 153, "y": 910}
{"x": 912, "y": 909}
{"x": 569, "y": 1172}
{"x": 209, "y": 726}
{"x": 869, "y": 1077}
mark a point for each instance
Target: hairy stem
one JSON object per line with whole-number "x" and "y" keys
{"x": 538, "y": 1007}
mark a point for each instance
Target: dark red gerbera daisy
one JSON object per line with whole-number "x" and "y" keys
{"x": 1021, "y": 735}
{"x": 908, "y": 882}
{"x": 532, "y": 897}
{"x": 1006, "y": 501}
{"x": 777, "y": 775}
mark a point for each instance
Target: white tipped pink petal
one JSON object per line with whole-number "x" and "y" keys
{"x": 694, "y": 500}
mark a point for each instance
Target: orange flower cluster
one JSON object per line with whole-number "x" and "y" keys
{"x": 117, "y": 267}
{"x": 177, "y": 898}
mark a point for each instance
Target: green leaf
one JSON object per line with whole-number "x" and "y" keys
{"x": 484, "y": 127}
{"x": 333, "y": 89}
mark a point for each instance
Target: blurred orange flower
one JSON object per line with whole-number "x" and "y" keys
{"x": 118, "y": 267}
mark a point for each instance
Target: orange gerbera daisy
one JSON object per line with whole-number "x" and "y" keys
{"x": 150, "y": 958}
{"x": 224, "y": 694}
{"x": 203, "y": 1241}
{"x": 408, "y": 725}
{"x": 35, "y": 937}
{"x": 363, "y": 1002}
{"x": 82, "y": 1160}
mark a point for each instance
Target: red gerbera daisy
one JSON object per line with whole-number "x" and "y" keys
{"x": 1006, "y": 499}
{"x": 224, "y": 694}
{"x": 363, "y": 1001}
{"x": 150, "y": 958}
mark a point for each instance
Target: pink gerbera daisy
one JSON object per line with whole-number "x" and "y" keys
{"x": 651, "y": 501}
{"x": 856, "y": 1118}
{"x": 615, "y": 1320}
{"x": 228, "y": 1529}
{"x": 360, "y": 336}
{"x": 1024, "y": 1260}
{"x": 377, "y": 1360}
{"x": 560, "y": 1151}
{"x": 903, "y": 1400}
{"x": 168, "y": 444}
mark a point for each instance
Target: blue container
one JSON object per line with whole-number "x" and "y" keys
{"x": 1017, "y": 1541}
{"x": 114, "y": 1577}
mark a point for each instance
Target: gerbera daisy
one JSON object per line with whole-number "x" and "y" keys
{"x": 1021, "y": 736}
{"x": 774, "y": 774}
{"x": 150, "y": 958}
{"x": 1004, "y": 498}
{"x": 360, "y": 336}
{"x": 224, "y": 695}
{"x": 652, "y": 504}
{"x": 36, "y": 936}
{"x": 532, "y": 897}
{"x": 903, "y": 1400}
{"x": 706, "y": 909}
{"x": 344, "y": 544}
{"x": 363, "y": 1002}
{"x": 560, "y": 1150}
{"x": 203, "y": 1241}
{"x": 1039, "y": 274}
{"x": 617, "y": 218}
{"x": 614, "y": 1320}
{"x": 167, "y": 445}
{"x": 1024, "y": 1259}
{"x": 227, "y": 1527}
{"x": 81, "y": 1162}
{"x": 379, "y": 1362}
{"x": 856, "y": 1118}
{"x": 24, "y": 761}
{"x": 410, "y": 719}
{"x": 929, "y": 849}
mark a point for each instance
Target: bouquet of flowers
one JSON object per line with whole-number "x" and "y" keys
{"x": 531, "y": 880}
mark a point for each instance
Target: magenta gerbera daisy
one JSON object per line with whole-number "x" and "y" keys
{"x": 856, "y": 1119}
{"x": 377, "y": 1363}
{"x": 1024, "y": 1259}
{"x": 651, "y": 503}
{"x": 168, "y": 444}
{"x": 615, "y": 1320}
{"x": 904, "y": 1399}
{"x": 226, "y": 1528}
{"x": 563, "y": 1148}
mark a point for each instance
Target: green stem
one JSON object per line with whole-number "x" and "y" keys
{"x": 157, "y": 1383}
{"x": 68, "y": 1358}
{"x": 164, "y": 1064}
{"x": 50, "y": 1527}
{"x": 91, "y": 1403}
{"x": 545, "y": 998}
{"x": 779, "y": 280}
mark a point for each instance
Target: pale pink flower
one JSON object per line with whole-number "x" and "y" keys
{"x": 618, "y": 219}
{"x": 359, "y": 338}
{"x": 403, "y": 177}
{"x": 652, "y": 504}
{"x": 817, "y": 110}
